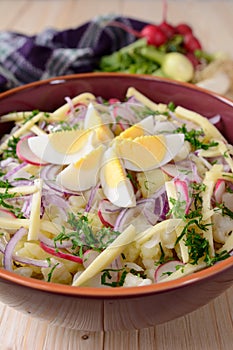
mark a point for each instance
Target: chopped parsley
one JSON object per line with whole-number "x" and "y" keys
{"x": 29, "y": 117}
{"x": 178, "y": 208}
{"x": 51, "y": 272}
{"x": 106, "y": 276}
{"x": 83, "y": 235}
{"x": 10, "y": 151}
{"x": 225, "y": 211}
{"x": 171, "y": 106}
{"x": 194, "y": 137}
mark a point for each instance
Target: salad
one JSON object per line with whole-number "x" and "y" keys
{"x": 109, "y": 193}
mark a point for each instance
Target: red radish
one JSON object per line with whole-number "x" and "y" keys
{"x": 107, "y": 213}
{"x": 220, "y": 188}
{"x": 4, "y": 213}
{"x": 183, "y": 193}
{"x": 60, "y": 254}
{"x": 193, "y": 59}
{"x": 166, "y": 269}
{"x": 191, "y": 43}
{"x": 112, "y": 101}
{"x": 75, "y": 106}
{"x": 25, "y": 154}
{"x": 183, "y": 29}
{"x": 167, "y": 29}
{"x": 155, "y": 36}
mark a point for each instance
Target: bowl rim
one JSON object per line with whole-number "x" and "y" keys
{"x": 65, "y": 78}
{"x": 124, "y": 292}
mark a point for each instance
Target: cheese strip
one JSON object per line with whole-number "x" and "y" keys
{"x": 34, "y": 220}
{"x": 209, "y": 129}
{"x": 20, "y": 190}
{"x": 15, "y": 224}
{"x": 21, "y": 130}
{"x": 172, "y": 193}
{"x": 209, "y": 181}
{"x": 15, "y": 116}
{"x": 165, "y": 226}
{"x": 37, "y": 130}
{"x": 107, "y": 256}
{"x": 141, "y": 98}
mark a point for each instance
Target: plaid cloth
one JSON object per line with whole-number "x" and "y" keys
{"x": 24, "y": 59}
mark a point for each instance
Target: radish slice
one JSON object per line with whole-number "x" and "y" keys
{"x": 108, "y": 213}
{"x": 60, "y": 254}
{"x": 25, "y": 154}
{"x": 174, "y": 170}
{"x": 4, "y": 213}
{"x": 166, "y": 269}
{"x": 183, "y": 193}
{"x": 89, "y": 256}
{"x": 220, "y": 188}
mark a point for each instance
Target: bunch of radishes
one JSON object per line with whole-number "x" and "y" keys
{"x": 158, "y": 35}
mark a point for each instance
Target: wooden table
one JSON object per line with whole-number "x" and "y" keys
{"x": 209, "y": 328}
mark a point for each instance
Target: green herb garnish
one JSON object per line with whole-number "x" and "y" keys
{"x": 194, "y": 137}
{"x": 51, "y": 272}
{"x": 10, "y": 151}
{"x": 84, "y": 236}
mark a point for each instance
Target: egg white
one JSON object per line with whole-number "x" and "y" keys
{"x": 114, "y": 181}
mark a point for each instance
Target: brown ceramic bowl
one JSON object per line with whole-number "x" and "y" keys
{"x": 96, "y": 309}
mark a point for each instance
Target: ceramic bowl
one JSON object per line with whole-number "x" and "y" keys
{"x": 97, "y": 309}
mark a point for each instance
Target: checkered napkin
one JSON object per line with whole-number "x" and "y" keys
{"x": 24, "y": 59}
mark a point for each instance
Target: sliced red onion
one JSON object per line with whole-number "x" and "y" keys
{"x": 91, "y": 197}
{"x": 14, "y": 170}
{"x": 4, "y": 163}
{"x": 8, "y": 256}
{"x": 26, "y": 208}
{"x": 24, "y": 182}
{"x": 49, "y": 172}
{"x": 215, "y": 119}
{"x": 120, "y": 219}
{"x": 25, "y": 260}
{"x": 56, "y": 188}
{"x": 33, "y": 262}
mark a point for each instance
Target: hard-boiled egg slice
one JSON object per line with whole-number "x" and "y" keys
{"x": 144, "y": 127}
{"x": 94, "y": 121}
{"x": 115, "y": 184}
{"x": 83, "y": 174}
{"x": 63, "y": 147}
{"x": 148, "y": 152}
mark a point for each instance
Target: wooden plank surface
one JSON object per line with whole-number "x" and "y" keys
{"x": 209, "y": 328}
